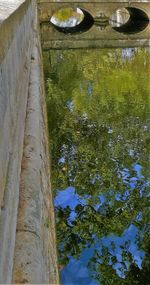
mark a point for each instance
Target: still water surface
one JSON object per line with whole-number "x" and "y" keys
{"x": 99, "y": 117}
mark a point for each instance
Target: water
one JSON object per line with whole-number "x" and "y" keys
{"x": 99, "y": 116}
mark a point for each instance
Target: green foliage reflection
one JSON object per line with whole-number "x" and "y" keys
{"x": 98, "y": 115}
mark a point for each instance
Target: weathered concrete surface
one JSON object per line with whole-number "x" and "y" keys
{"x": 35, "y": 253}
{"x": 20, "y": 81}
{"x": 15, "y": 53}
{"x": 48, "y": 7}
{"x": 95, "y": 37}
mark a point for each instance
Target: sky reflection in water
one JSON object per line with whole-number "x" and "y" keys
{"x": 100, "y": 164}
{"x": 76, "y": 271}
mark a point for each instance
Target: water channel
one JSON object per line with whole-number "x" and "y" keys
{"x": 98, "y": 104}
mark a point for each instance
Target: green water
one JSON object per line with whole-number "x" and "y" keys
{"x": 99, "y": 116}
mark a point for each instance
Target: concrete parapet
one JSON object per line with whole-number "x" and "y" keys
{"x": 20, "y": 85}
{"x": 35, "y": 255}
{"x": 15, "y": 53}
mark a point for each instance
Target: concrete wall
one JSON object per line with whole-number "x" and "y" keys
{"x": 48, "y": 7}
{"x": 27, "y": 233}
{"x": 94, "y": 37}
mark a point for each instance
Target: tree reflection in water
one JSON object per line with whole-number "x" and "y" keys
{"x": 98, "y": 114}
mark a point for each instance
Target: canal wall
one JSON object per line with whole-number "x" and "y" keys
{"x": 27, "y": 230}
{"x": 27, "y": 233}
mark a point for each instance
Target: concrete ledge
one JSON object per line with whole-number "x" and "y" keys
{"x": 89, "y": 1}
{"x": 11, "y": 15}
{"x": 8, "y": 7}
{"x": 35, "y": 253}
{"x": 16, "y": 34}
{"x": 27, "y": 244}
{"x": 84, "y": 44}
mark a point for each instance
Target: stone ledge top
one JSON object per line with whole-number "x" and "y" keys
{"x": 7, "y": 7}
{"x": 92, "y": 1}
{"x": 11, "y": 14}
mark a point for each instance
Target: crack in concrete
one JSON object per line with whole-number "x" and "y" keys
{"x": 28, "y": 230}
